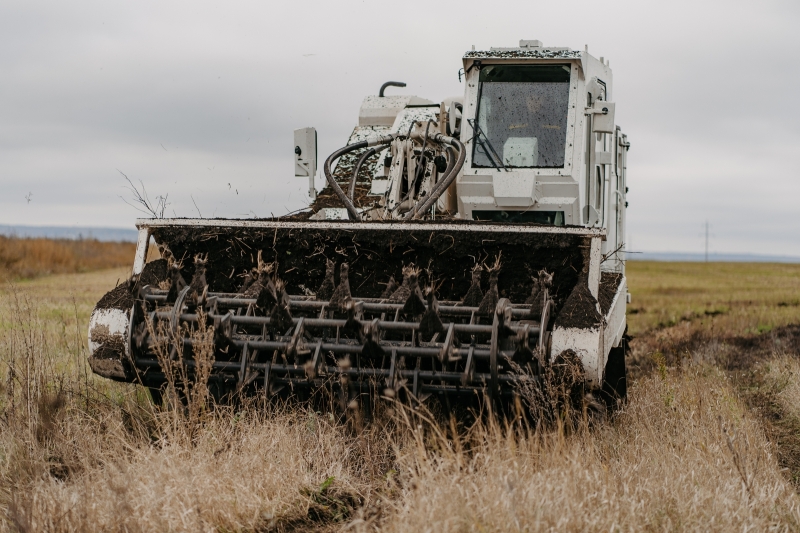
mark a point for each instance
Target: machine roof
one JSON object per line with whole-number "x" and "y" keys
{"x": 534, "y": 53}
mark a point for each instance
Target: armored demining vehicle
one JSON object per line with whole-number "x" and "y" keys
{"x": 458, "y": 248}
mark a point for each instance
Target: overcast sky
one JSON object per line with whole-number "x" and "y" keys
{"x": 198, "y": 100}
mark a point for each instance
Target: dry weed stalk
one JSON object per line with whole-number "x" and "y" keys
{"x": 142, "y": 201}
{"x": 557, "y": 398}
{"x": 746, "y": 466}
{"x": 494, "y": 267}
{"x": 187, "y": 392}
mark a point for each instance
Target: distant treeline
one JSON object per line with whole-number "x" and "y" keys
{"x": 31, "y": 258}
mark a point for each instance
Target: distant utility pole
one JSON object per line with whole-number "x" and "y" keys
{"x": 706, "y": 241}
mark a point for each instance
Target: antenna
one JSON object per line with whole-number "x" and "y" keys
{"x": 707, "y": 235}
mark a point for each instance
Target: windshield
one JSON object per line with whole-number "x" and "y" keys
{"x": 522, "y": 115}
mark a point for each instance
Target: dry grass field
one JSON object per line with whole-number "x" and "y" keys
{"x": 740, "y": 298}
{"x": 31, "y": 258}
{"x": 709, "y": 439}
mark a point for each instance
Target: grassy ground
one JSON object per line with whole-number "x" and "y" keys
{"x": 708, "y": 440}
{"x": 736, "y": 298}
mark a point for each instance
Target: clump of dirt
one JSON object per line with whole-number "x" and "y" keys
{"x": 123, "y": 295}
{"x": 110, "y": 368}
{"x": 609, "y": 283}
{"x": 110, "y": 345}
{"x": 300, "y": 216}
{"x": 153, "y": 273}
{"x": 580, "y": 309}
{"x": 119, "y": 297}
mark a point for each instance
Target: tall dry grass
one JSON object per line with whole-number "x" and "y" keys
{"x": 81, "y": 453}
{"x": 684, "y": 455}
{"x": 783, "y": 375}
{"x": 34, "y": 257}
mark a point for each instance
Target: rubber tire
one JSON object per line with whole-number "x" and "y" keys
{"x": 615, "y": 380}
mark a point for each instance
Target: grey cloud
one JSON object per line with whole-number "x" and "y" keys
{"x": 704, "y": 89}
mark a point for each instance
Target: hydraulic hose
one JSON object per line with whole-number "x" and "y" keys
{"x": 351, "y": 192}
{"x": 348, "y": 204}
{"x": 351, "y": 209}
{"x": 445, "y": 182}
{"x": 456, "y": 163}
{"x": 369, "y": 153}
{"x": 451, "y": 162}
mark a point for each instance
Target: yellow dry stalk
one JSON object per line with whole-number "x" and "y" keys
{"x": 494, "y": 267}
{"x": 203, "y": 354}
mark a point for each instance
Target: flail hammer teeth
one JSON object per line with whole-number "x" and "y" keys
{"x": 263, "y": 288}
{"x": 414, "y": 304}
{"x": 391, "y": 286}
{"x": 267, "y": 295}
{"x": 223, "y": 332}
{"x": 474, "y": 294}
{"x": 371, "y": 339}
{"x": 492, "y": 296}
{"x": 280, "y": 315}
{"x": 540, "y": 286}
{"x": 490, "y": 299}
{"x": 177, "y": 283}
{"x": 355, "y": 312}
{"x": 248, "y": 278}
{"x": 431, "y": 323}
{"x": 341, "y": 295}
{"x": 325, "y": 291}
{"x": 404, "y": 290}
{"x": 535, "y": 298}
{"x": 523, "y": 355}
{"x": 198, "y": 288}
{"x": 165, "y": 253}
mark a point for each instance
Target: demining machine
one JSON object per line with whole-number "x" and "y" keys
{"x": 458, "y": 250}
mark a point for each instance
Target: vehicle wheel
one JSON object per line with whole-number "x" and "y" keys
{"x": 615, "y": 381}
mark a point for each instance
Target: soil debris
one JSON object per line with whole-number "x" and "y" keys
{"x": 475, "y": 293}
{"x": 609, "y": 282}
{"x": 580, "y": 309}
{"x": 123, "y": 295}
{"x": 376, "y": 255}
